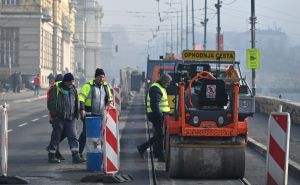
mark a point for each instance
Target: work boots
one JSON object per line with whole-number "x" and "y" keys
{"x": 141, "y": 151}
{"x": 82, "y": 157}
{"x": 52, "y": 158}
{"x": 59, "y": 156}
{"x": 77, "y": 159}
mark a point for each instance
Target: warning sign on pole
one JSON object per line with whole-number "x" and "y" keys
{"x": 253, "y": 58}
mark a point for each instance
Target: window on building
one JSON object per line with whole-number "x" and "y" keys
{"x": 47, "y": 60}
{"x": 9, "y": 46}
{"x": 10, "y": 2}
{"x": 59, "y": 54}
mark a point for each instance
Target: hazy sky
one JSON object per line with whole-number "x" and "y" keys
{"x": 140, "y": 17}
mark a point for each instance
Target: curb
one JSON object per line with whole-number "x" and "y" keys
{"x": 262, "y": 150}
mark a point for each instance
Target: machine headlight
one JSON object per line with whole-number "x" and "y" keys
{"x": 220, "y": 120}
{"x": 195, "y": 119}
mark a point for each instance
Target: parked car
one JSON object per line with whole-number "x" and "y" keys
{"x": 28, "y": 80}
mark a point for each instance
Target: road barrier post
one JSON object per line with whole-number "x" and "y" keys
{"x": 4, "y": 179}
{"x": 111, "y": 144}
{"x": 117, "y": 98}
{"x": 111, "y": 157}
{"x": 278, "y": 148}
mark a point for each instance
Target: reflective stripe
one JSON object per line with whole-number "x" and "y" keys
{"x": 74, "y": 149}
{"x": 52, "y": 151}
{"x": 163, "y": 104}
{"x": 83, "y": 95}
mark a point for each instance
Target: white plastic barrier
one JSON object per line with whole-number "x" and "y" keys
{"x": 111, "y": 142}
{"x": 278, "y": 148}
{"x": 117, "y": 98}
{"x": 4, "y": 139}
{"x": 5, "y": 179}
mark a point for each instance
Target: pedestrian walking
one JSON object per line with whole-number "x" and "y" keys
{"x": 157, "y": 106}
{"x": 37, "y": 85}
{"x": 19, "y": 82}
{"x": 14, "y": 82}
{"x": 93, "y": 98}
{"x": 63, "y": 106}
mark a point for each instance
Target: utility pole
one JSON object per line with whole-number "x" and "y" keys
{"x": 218, "y": 6}
{"x": 181, "y": 25}
{"x": 253, "y": 22}
{"x": 171, "y": 36}
{"x": 193, "y": 25}
{"x": 177, "y": 34}
{"x": 187, "y": 25}
{"x": 205, "y": 23}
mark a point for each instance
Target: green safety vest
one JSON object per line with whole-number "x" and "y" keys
{"x": 163, "y": 104}
{"x": 86, "y": 94}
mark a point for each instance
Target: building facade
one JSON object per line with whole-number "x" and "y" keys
{"x": 36, "y": 37}
{"x": 88, "y": 32}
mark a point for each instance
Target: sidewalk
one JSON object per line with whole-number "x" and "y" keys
{"x": 24, "y": 96}
{"x": 258, "y": 132}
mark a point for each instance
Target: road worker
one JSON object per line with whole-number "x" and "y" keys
{"x": 93, "y": 97}
{"x": 157, "y": 106}
{"x": 63, "y": 107}
{"x": 58, "y": 155}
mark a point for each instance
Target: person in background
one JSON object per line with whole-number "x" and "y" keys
{"x": 13, "y": 80}
{"x": 51, "y": 79}
{"x": 19, "y": 82}
{"x": 37, "y": 85}
{"x": 63, "y": 107}
{"x": 157, "y": 106}
{"x": 93, "y": 98}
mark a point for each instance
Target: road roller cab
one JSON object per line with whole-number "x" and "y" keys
{"x": 204, "y": 136}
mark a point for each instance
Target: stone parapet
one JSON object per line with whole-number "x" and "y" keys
{"x": 266, "y": 104}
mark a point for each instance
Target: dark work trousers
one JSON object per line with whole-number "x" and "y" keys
{"x": 63, "y": 136}
{"x": 67, "y": 128}
{"x": 82, "y": 137}
{"x": 158, "y": 136}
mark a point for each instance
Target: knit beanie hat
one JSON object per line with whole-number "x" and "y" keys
{"x": 164, "y": 79}
{"x": 68, "y": 77}
{"x": 99, "y": 72}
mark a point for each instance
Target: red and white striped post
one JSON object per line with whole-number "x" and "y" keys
{"x": 278, "y": 148}
{"x": 111, "y": 142}
{"x": 117, "y": 98}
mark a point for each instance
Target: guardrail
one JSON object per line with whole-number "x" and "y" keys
{"x": 266, "y": 104}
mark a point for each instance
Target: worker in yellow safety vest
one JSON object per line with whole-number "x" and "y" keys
{"x": 93, "y": 97}
{"x": 157, "y": 106}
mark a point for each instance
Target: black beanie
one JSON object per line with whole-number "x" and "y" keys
{"x": 99, "y": 72}
{"x": 68, "y": 77}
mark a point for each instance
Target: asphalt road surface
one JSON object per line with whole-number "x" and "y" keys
{"x": 29, "y": 134}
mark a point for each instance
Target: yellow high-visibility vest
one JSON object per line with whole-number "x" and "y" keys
{"x": 86, "y": 95}
{"x": 163, "y": 104}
